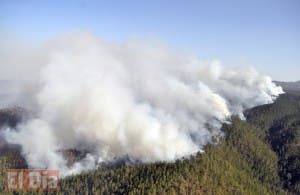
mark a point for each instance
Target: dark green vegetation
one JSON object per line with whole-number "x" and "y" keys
{"x": 280, "y": 122}
{"x": 260, "y": 156}
{"x": 241, "y": 164}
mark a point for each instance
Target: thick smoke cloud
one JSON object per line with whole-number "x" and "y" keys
{"x": 129, "y": 99}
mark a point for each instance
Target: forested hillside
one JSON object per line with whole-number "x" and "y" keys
{"x": 257, "y": 156}
{"x": 241, "y": 164}
{"x": 280, "y": 123}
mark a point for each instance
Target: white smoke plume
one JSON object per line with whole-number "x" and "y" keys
{"x": 129, "y": 99}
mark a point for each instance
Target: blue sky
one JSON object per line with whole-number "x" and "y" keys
{"x": 261, "y": 33}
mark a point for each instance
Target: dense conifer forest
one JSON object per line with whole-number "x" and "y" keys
{"x": 258, "y": 156}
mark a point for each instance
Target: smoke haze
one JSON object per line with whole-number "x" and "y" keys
{"x": 132, "y": 99}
